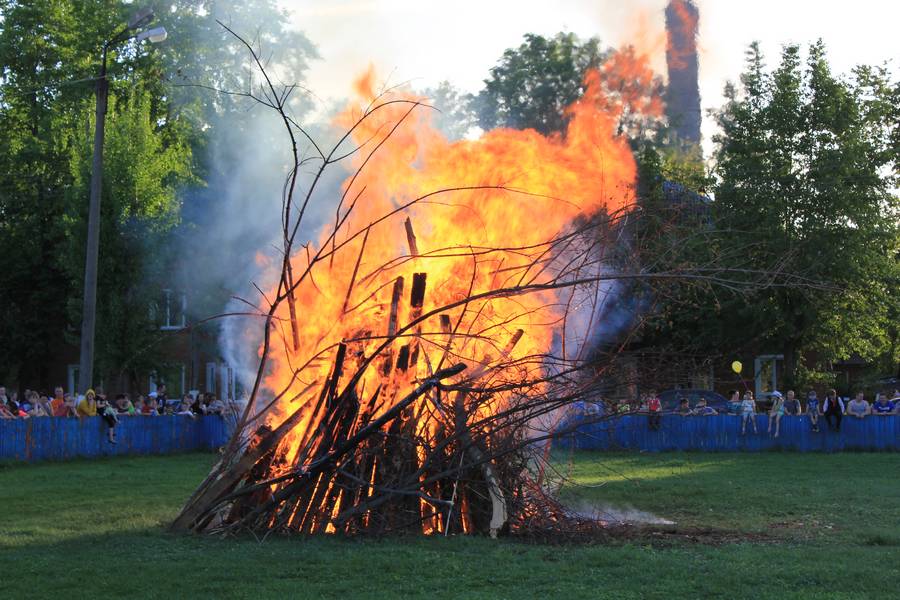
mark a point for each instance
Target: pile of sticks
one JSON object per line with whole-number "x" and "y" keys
{"x": 409, "y": 456}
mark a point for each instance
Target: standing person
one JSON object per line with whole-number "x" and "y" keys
{"x": 833, "y": 409}
{"x": 5, "y": 413}
{"x": 124, "y": 405}
{"x": 185, "y": 407}
{"x": 38, "y": 409}
{"x": 214, "y": 406}
{"x": 150, "y": 406}
{"x": 162, "y": 400}
{"x": 71, "y": 409}
{"x": 748, "y": 412}
{"x": 654, "y": 411}
{"x": 776, "y": 412}
{"x": 882, "y": 406}
{"x": 58, "y": 404}
{"x": 108, "y": 414}
{"x": 858, "y": 407}
{"x": 87, "y": 407}
{"x": 702, "y": 410}
{"x": 812, "y": 409}
{"x": 14, "y": 406}
{"x": 734, "y": 403}
{"x": 197, "y": 406}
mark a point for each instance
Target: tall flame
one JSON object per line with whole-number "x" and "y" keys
{"x": 485, "y": 209}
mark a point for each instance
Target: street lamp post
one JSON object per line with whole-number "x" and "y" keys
{"x": 89, "y": 311}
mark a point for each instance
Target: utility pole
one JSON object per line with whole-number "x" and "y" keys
{"x": 89, "y": 310}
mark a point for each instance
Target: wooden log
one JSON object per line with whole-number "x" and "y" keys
{"x": 392, "y": 326}
{"x": 362, "y": 249}
{"x": 395, "y": 306}
{"x": 411, "y": 238}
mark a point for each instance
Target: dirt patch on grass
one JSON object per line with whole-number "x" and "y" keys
{"x": 667, "y": 535}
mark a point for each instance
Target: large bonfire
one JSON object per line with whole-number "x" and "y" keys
{"x": 419, "y": 349}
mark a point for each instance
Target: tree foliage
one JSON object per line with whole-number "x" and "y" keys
{"x": 807, "y": 169}
{"x": 157, "y": 146}
{"x": 532, "y": 85}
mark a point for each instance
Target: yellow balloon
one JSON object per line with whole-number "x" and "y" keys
{"x": 736, "y": 366}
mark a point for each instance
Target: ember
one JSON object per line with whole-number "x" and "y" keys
{"x": 415, "y": 351}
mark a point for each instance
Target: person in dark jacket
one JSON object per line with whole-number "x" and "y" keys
{"x": 833, "y": 409}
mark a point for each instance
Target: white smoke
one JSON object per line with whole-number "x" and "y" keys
{"x": 619, "y": 515}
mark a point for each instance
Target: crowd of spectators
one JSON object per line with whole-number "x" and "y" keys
{"x": 832, "y": 408}
{"x": 35, "y": 404}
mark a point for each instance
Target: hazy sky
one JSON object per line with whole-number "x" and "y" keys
{"x": 426, "y": 41}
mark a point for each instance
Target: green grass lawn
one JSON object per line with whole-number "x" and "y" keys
{"x": 816, "y": 526}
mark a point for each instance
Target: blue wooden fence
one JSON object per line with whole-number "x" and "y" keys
{"x": 58, "y": 438}
{"x": 722, "y": 433}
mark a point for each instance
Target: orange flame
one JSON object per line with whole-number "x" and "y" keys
{"x": 521, "y": 189}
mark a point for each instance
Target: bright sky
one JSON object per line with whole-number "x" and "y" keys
{"x": 427, "y": 41}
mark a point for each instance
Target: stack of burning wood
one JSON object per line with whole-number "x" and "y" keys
{"x": 407, "y": 387}
{"x": 447, "y": 451}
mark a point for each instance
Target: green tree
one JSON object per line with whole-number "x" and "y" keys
{"x": 453, "y": 115}
{"x": 161, "y": 127}
{"x": 807, "y": 171}
{"x": 48, "y": 56}
{"x": 532, "y": 85}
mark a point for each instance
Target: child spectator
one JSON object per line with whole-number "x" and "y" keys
{"x": 5, "y": 412}
{"x": 108, "y": 414}
{"x": 214, "y": 406}
{"x": 776, "y": 412}
{"x": 684, "y": 408}
{"x": 150, "y": 407}
{"x": 124, "y": 405}
{"x": 162, "y": 400}
{"x": 15, "y": 407}
{"x": 48, "y": 407}
{"x": 87, "y": 407}
{"x": 812, "y": 409}
{"x": 654, "y": 411}
{"x": 185, "y": 407}
{"x": 31, "y": 398}
{"x": 833, "y": 409}
{"x": 58, "y": 404}
{"x": 38, "y": 408}
{"x": 702, "y": 410}
{"x": 858, "y": 407}
{"x": 197, "y": 406}
{"x": 882, "y": 406}
{"x": 734, "y": 403}
{"x": 748, "y": 412}
{"x": 792, "y": 404}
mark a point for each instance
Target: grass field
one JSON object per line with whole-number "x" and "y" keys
{"x": 797, "y": 525}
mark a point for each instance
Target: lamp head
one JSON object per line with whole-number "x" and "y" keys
{"x": 155, "y": 35}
